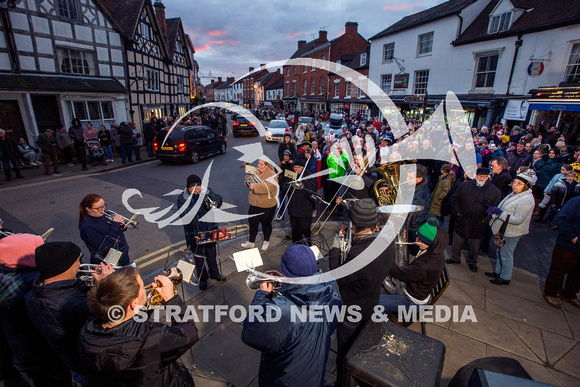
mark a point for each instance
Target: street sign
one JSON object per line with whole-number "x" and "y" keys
{"x": 413, "y": 98}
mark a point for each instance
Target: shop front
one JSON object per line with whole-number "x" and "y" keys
{"x": 556, "y": 106}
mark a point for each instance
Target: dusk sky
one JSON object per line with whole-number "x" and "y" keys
{"x": 230, "y": 36}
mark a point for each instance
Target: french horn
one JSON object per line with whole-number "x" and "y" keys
{"x": 153, "y": 297}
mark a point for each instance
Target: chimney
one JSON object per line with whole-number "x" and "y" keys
{"x": 322, "y": 35}
{"x": 350, "y": 28}
{"x": 301, "y": 43}
{"x": 160, "y": 14}
{"x": 220, "y": 79}
{"x": 230, "y": 79}
{"x": 251, "y": 69}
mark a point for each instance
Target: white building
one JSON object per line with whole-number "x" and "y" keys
{"x": 237, "y": 90}
{"x": 274, "y": 94}
{"x": 57, "y": 63}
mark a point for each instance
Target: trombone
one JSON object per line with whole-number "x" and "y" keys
{"x": 125, "y": 224}
{"x": 295, "y": 184}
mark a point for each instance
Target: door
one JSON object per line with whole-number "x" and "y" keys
{"x": 212, "y": 141}
{"x": 46, "y": 111}
{"x": 11, "y": 120}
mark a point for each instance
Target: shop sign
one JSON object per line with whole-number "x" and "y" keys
{"x": 535, "y": 69}
{"x": 413, "y": 98}
{"x": 401, "y": 81}
{"x": 516, "y": 109}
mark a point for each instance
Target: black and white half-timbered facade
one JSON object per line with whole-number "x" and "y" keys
{"x": 159, "y": 60}
{"x": 59, "y": 60}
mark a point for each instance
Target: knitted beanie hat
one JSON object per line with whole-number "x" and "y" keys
{"x": 54, "y": 258}
{"x": 428, "y": 231}
{"x": 298, "y": 261}
{"x": 363, "y": 213}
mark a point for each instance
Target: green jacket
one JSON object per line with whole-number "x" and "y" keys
{"x": 337, "y": 170}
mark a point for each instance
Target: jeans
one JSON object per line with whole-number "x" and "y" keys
{"x": 565, "y": 264}
{"x": 7, "y": 170}
{"x": 108, "y": 151}
{"x": 81, "y": 153}
{"x": 150, "y": 150}
{"x": 126, "y": 150}
{"x": 391, "y": 302}
{"x": 504, "y": 263}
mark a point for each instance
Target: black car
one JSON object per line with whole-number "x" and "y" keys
{"x": 242, "y": 125}
{"x": 188, "y": 143}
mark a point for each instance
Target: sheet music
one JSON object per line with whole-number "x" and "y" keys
{"x": 289, "y": 174}
{"x": 250, "y": 170}
{"x": 186, "y": 269}
{"x": 113, "y": 256}
{"x": 316, "y": 252}
{"x": 248, "y": 259}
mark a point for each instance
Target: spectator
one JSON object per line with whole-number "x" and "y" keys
{"x": 76, "y": 133}
{"x": 563, "y": 190}
{"x": 137, "y": 141}
{"x": 126, "y": 138}
{"x": 106, "y": 142}
{"x": 286, "y": 144}
{"x": 552, "y": 137}
{"x": 545, "y": 169}
{"x": 564, "y": 276}
{"x": 10, "y": 154}
{"x": 65, "y": 143}
{"x": 469, "y": 204}
{"x": 440, "y": 196}
{"x": 47, "y": 144}
{"x": 29, "y": 154}
{"x": 501, "y": 178}
{"x": 90, "y": 133}
{"x": 149, "y": 136}
{"x": 114, "y": 129}
{"x": 518, "y": 158}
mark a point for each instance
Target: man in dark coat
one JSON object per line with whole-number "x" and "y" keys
{"x": 10, "y": 153}
{"x": 57, "y": 302}
{"x": 47, "y": 144}
{"x": 149, "y": 136}
{"x": 501, "y": 177}
{"x": 204, "y": 253}
{"x": 301, "y": 206}
{"x": 76, "y": 133}
{"x": 518, "y": 158}
{"x": 469, "y": 204}
{"x": 294, "y": 352}
{"x": 126, "y": 138}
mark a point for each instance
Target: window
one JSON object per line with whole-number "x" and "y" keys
{"x": 180, "y": 84}
{"x": 312, "y": 64}
{"x": 67, "y": 9}
{"x": 486, "y": 66}
{"x": 499, "y": 23}
{"x": 322, "y": 85}
{"x": 305, "y": 67}
{"x": 348, "y": 87}
{"x": 76, "y": 61}
{"x": 288, "y": 72}
{"x": 363, "y": 59}
{"x": 338, "y": 65}
{"x": 312, "y": 85}
{"x": 178, "y": 47}
{"x": 573, "y": 67}
{"x": 145, "y": 31}
{"x": 388, "y": 52}
{"x": 152, "y": 79}
{"x": 421, "y": 80}
{"x": 287, "y": 89}
{"x": 305, "y": 89}
{"x": 322, "y": 58}
{"x": 294, "y": 88}
{"x": 337, "y": 88}
{"x": 96, "y": 112}
{"x": 294, "y": 71}
{"x": 362, "y": 87}
{"x": 425, "y": 45}
{"x": 386, "y": 80}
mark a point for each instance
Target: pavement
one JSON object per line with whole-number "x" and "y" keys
{"x": 512, "y": 321}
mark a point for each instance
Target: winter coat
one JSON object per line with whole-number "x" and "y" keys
{"x": 8, "y": 149}
{"x": 193, "y": 228}
{"x": 440, "y": 196}
{"x": 302, "y": 203}
{"x": 125, "y": 134}
{"x": 105, "y": 137}
{"x": 137, "y": 138}
{"x": 516, "y": 160}
{"x": 63, "y": 139}
{"x": 294, "y": 353}
{"x": 423, "y": 273}
{"x": 76, "y": 133}
{"x": 265, "y": 193}
{"x": 283, "y": 146}
{"x": 546, "y": 168}
{"x": 520, "y": 208}
{"x": 469, "y": 204}
{"x": 47, "y": 144}
{"x": 59, "y": 310}
{"x": 421, "y": 197}
{"x": 562, "y": 192}
{"x": 137, "y": 353}
{"x": 568, "y": 222}
{"x": 100, "y": 235}
{"x": 363, "y": 287}
{"x": 336, "y": 169}
{"x": 502, "y": 181}
{"x": 91, "y": 134}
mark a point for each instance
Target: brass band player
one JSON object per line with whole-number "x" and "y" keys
{"x": 195, "y": 228}
{"x": 99, "y": 234}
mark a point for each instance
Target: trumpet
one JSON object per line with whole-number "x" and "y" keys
{"x": 90, "y": 268}
{"x": 153, "y": 297}
{"x": 209, "y": 203}
{"x": 255, "y": 279}
{"x": 126, "y": 224}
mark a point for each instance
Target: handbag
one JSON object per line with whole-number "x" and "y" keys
{"x": 498, "y": 238}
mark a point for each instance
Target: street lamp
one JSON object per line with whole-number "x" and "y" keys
{"x": 255, "y": 96}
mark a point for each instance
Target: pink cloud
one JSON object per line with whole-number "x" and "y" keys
{"x": 212, "y": 42}
{"x": 218, "y": 33}
{"x": 293, "y": 35}
{"x": 397, "y": 7}
{"x": 341, "y": 32}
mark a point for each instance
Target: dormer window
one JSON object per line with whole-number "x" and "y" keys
{"x": 363, "y": 59}
{"x": 499, "y": 23}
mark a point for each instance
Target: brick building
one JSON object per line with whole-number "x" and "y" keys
{"x": 306, "y": 87}
{"x": 344, "y": 96}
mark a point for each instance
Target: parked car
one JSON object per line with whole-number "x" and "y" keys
{"x": 305, "y": 120}
{"x": 242, "y": 125}
{"x": 280, "y": 116}
{"x": 275, "y": 130}
{"x": 188, "y": 143}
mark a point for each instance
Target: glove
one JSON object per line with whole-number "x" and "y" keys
{"x": 493, "y": 211}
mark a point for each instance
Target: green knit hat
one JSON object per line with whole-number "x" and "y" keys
{"x": 428, "y": 231}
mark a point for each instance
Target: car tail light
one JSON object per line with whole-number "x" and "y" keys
{"x": 155, "y": 146}
{"x": 236, "y": 123}
{"x": 182, "y": 147}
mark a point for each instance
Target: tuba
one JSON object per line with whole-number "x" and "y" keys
{"x": 153, "y": 298}
{"x": 391, "y": 176}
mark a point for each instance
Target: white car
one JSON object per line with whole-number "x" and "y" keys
{"x": 275, "y": 130}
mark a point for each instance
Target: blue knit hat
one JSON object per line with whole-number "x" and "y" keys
{"x": 298, "y": 261}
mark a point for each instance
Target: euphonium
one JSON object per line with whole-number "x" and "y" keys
{"x": 209, "y": 203}
{"x": 391, "y": 175}
{"x": 175, "y": 276}
{"x": 251, "y": 179}
{"x": 255, "y": 279}
{"x": 126, "y": 224}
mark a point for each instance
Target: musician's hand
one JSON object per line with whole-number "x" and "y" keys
{"x": 106, "y": 269}
{"x": 251, "y": 187}
{"x": 342, "y": 230}
{"x": 274, "y": 273}
{"x": 384, "y": 189}
{"x": 166, "y": 289}
{"x": 339, "y": 201}
{"x": 267, "y": 286}
{"x": 118, "y": 218}
{"x": 358, "y": 169}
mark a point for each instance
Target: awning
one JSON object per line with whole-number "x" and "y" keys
{"x": 556, "y": 106}
{"x": 20, "y": 82}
